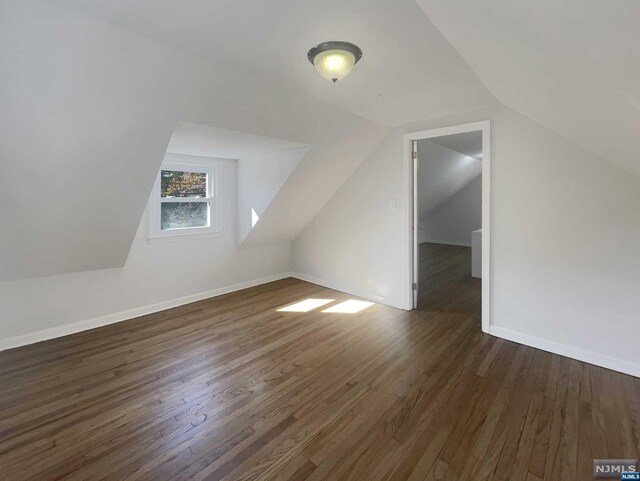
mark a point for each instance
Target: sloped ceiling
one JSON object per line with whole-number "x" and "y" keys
{"x": 260, "y": 179}
{"x": 207, "y": 141}
{"x": 81, "y": 133}
{"x": 443, "y": 172}
{"x": 334, "y": 154}
{"x": 408, "y": 72}
{"x": 571, "y": 65}
{"x": 466, "y": 143}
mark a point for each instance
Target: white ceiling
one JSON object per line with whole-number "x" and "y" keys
{"x": 467, "y": 143}
{"x": 408, "y": 71}
{"x": 571, "y": 65}
{"x": 206, "y": 141}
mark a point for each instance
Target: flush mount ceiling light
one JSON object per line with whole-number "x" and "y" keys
{"x": 334, "y": 60}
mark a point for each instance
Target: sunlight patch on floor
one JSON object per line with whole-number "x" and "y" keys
{"x": 352, "y": 306}
{"x": 306, "y": 305}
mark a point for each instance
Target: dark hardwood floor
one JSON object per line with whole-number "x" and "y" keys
{"x": 231, "y": 388}
{"x": 444, "y": 279}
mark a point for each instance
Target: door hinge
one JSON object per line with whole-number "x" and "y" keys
{"x": 414, "y": 286}
{"x": 414, "y": 155}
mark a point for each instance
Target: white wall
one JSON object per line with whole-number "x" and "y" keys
{"x": 260, "y": 178}
{"x": 356, "y": 233}
{"x": 453, "y": 221}
{"x": 154, "y": 273}
{"x": 449, "y": 194}
{"x": 565, "y": 230}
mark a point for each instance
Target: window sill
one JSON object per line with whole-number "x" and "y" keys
{"x": 160, "y": 239}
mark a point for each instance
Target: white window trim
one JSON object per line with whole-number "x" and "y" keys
{"x": 190, "y": 164}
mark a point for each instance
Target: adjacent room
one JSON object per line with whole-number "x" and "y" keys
{"x": 448, "y": 218}
{"x": 367, "y": 240}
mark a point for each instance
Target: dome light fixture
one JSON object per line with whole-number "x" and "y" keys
{"x": 334, "y": 60}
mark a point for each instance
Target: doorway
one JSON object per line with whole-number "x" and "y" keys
{"x": 449, "y": 227}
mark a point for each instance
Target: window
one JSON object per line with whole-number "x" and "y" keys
{"x": 184, "y": 202}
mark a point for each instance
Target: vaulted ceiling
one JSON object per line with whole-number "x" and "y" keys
{"x": 570, "y": 65}
{"x": 409, "y": 71}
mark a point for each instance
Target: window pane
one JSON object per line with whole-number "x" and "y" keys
{"x": 181, "y": 215}
{"x": 174, "y": 183}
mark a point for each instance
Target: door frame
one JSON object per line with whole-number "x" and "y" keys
{"x": 410, "y": 193}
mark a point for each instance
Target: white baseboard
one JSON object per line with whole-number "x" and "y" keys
{"x": 85, "y": 325}
{"x": 346, "y": 289}
{"x": 449, "y": 243}
{"x": 573, "y": 352}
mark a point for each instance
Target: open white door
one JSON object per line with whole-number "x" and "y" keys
{"x": 416, "y": 254}
{"x": 411, "y": 212}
